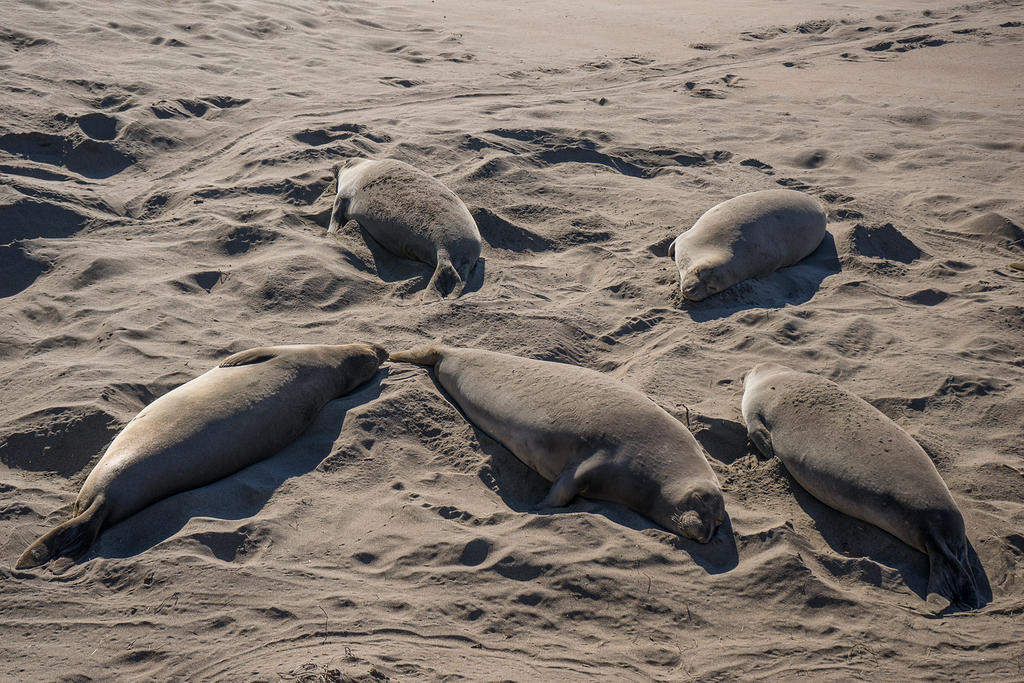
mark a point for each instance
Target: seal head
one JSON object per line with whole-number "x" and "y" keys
{"x": 696, "y": 513}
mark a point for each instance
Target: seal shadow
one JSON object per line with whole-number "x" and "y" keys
{"x": 388, "y": 266}
{"x": 724, "y": 440}
{"x": 240, "y": 495}
{"x": 795, "y": 284}
{"x": 522, "y": 489}
{"x": 392, "y": 268}
{"x": 851, "y": 538}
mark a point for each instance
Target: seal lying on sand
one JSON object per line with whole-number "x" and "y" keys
{"x": 854, "y": 459}
{"x": 411, "y": 214}
{"x": 748, "y": 236}
{"x": 246, "y": 409}
{"x": 586, "y": 432}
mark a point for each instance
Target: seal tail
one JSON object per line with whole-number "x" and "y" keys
{"x": 445, "y": 278}
{"x": 950, "y": 576}
{"x": 425, "y": 354}
{"x": 70, "y": 539}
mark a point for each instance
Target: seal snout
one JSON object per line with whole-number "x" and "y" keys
{"x": 699, "y": 514}
{"x": 695, "y": 286}
{"x": 690, "y": 525}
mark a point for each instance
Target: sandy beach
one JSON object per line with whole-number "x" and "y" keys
{"x": 165, "y": 188}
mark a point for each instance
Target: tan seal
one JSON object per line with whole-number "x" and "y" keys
{"x": 588, "y": 433}
{"x": 411, "y": 214}
{"x": 748, "y": 236}
{"x": 853, "y": 458}
{"x": 246, "y": 409}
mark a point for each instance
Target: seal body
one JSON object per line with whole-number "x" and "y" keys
{"x": 748, "y": 236}
{"x": 411, "y": 214}
{"x": 586, "y": 432}
{"x": 853, "y": 458}
{"x": 249, "y": 407}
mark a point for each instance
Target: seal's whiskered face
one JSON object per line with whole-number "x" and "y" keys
{"x": 699, "y": 283}
{"x": 699, "y": 514}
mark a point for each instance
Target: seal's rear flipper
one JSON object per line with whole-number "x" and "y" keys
{"x": 445, "y": 278}
{"x": 950, "y": 577}
{"x": 70, "y": 539}
{"x": 426, "y": 354}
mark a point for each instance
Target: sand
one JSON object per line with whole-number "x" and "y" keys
{"x": 166, "y": 184}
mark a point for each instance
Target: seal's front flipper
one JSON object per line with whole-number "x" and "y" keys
{"x": 758, "y": 433}
{"x": 672, "y": 249}
{"x": 70, "y": 539}
{"x": 445, "y": 278}
{"x": 249, "y": 357}
{"x": 338, "y": 212}
{"x": 950, "y": 577}
{"x": 563, "y": 490}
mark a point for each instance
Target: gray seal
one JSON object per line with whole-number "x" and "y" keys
{"x": 853, "y": 458}
{"x": 411, "y": 214}
{"x": 587, "y": 433}
{"x": 748, "y": 236}
{"x": 246, "y": 409}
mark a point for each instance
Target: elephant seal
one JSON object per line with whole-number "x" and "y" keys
{"x": 856, "y": 460}
{"x": 411, "y": 214}
{"x": 748, "y": 236}
{"x": 246, "y": 409}
{"x": 586, "y": 432}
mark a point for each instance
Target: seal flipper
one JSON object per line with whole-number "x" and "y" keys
{"x": 338, "y": 214}
{"x": 758, "y": 433}
{"x": 950, "y": 576}
{"x": 672, "y": 249}
{"x": 565, "y": 487}
{"x": 424, "y": 354}
{"x": 248, "y": 357}
{"x": 445, "y": 278}
{"x": 70, "y": 539}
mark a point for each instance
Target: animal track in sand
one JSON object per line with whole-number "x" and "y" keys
{"x": 28, "y": 218}
{"x": 89, "y": 158}
{"x": 232, "y": 546}
{"x": 62, "y": 440}
{"x": 475, "y": 552}
{"x": 317, "y": 137}
{"x": 194, "y": 108}
{"x": 906, "y": 44}
{"x": 400, "y": 82}
{"x": 244, "y": 238}
{"x": 631, "y": 326}
{"x": 97, "y": 125}
{"x": 20, "y": 269}
{"x": 552, "y": 147}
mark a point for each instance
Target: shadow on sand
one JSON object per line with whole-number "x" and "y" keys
{"x": 391, "y": 268}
